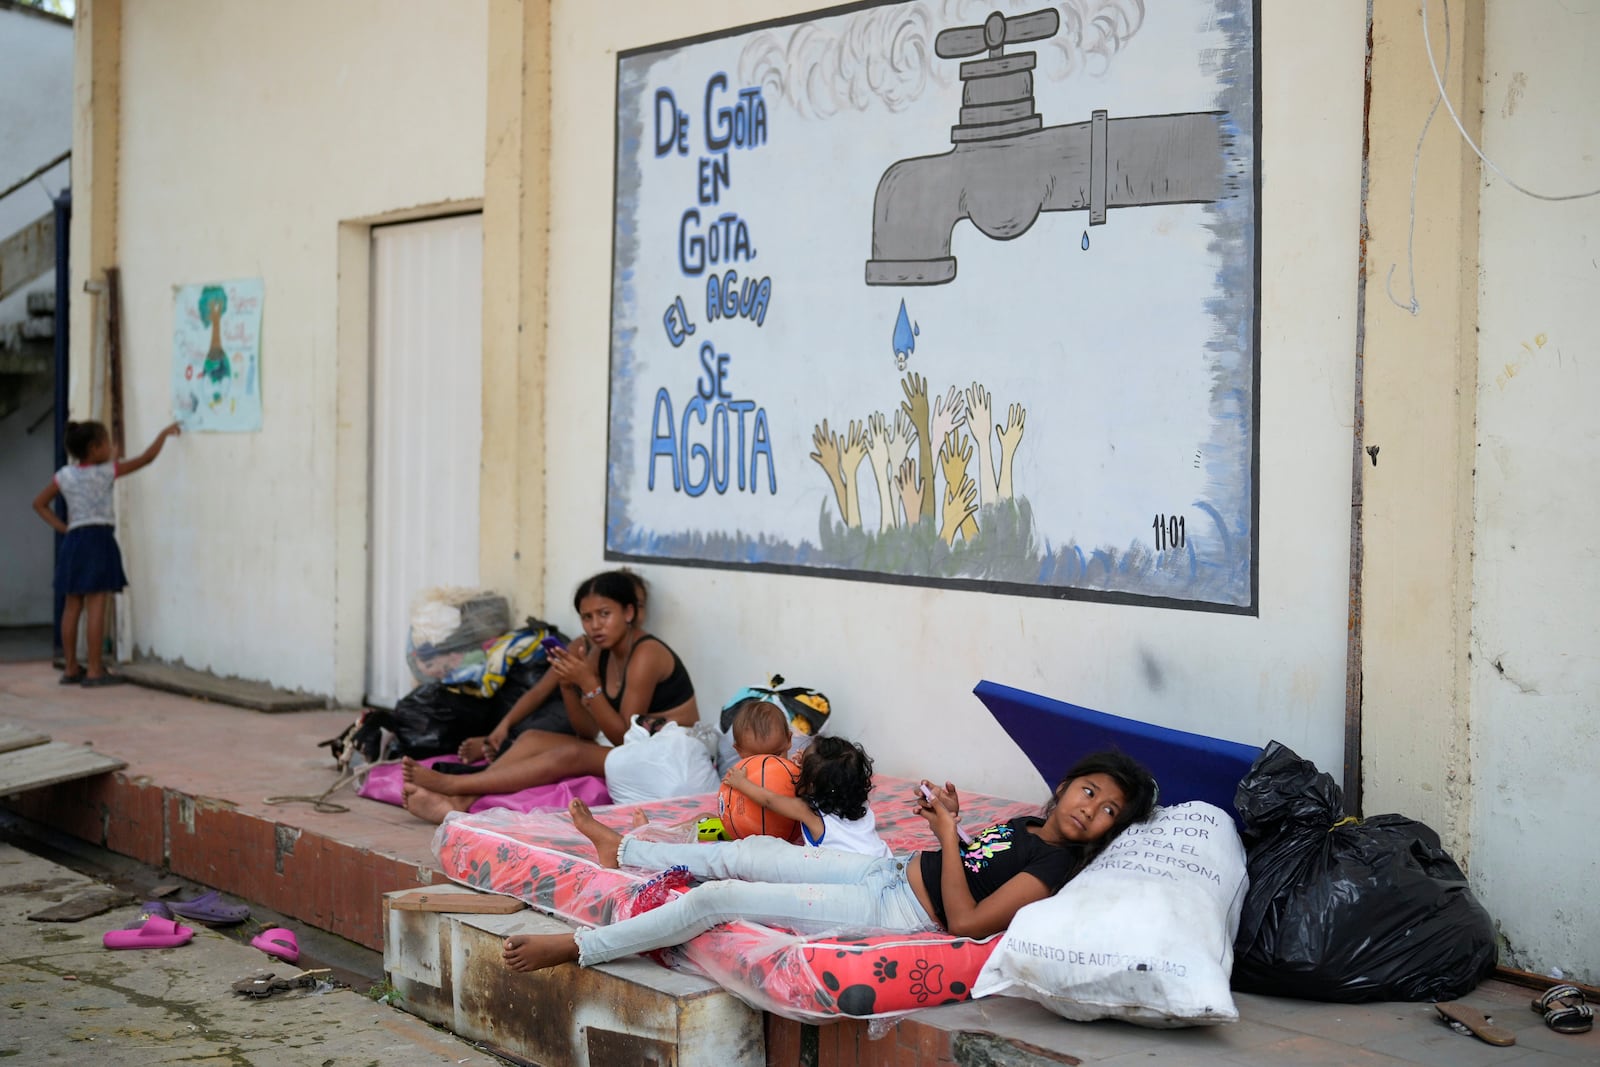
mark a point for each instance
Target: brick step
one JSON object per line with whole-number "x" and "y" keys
{"x": 305, "y": 874}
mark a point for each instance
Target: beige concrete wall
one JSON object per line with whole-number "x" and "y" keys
{"x": 1480, "y": 581}
{"x": 516, "y": 235}
{"x": 1417, "y": 514}
{"x": 250, "y": 135}
{"x": 97, "y": 66}
{"x": 1535, "y": 671}
{"x": 900, "y": 661}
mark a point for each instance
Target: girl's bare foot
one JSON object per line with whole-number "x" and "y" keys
{"x": 472, "y": 750}
{"x": 431, "y": 806}
{"x": 449, "y": 785}
{"x": 640, "y": 819}
{"x": 606, "y": 840}
{"x": 535, "y": 952}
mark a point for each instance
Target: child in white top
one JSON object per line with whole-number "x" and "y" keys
{"x": 830, "y": 801}
{"x": 89, "y": 563}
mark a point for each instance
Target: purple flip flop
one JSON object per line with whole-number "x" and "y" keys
{"x": 211, "y": 909}
{"x": 150, "y": 909}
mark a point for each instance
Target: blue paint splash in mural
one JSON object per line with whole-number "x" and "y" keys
{"x": 905, "y": 338}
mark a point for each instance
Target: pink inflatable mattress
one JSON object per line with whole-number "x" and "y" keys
{"x": 540, "y": 858}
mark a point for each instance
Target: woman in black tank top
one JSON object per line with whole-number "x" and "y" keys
{"x": 609, "y": 676}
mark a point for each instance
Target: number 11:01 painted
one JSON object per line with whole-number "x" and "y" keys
{"x": 1169, "y": 531}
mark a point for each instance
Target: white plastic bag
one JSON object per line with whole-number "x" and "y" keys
{"x": 1144, "y": 934}
{"x": 672, "y": 762}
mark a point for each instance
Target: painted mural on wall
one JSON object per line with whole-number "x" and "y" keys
{"x": 216, "y": 356}
{"x": 944, "y": 293}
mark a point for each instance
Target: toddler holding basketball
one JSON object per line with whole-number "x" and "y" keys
{"x": 829, "y": 801}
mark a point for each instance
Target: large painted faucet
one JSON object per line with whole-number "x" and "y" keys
{"x": 1005, "y": 168}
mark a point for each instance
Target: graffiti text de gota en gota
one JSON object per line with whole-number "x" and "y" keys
{"x": 720, "y": 440}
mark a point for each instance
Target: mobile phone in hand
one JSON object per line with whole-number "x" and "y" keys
{"x": 551, "y": 643}
{"x": 961, "y": 831}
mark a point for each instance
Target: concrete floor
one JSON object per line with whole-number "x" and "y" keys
{"x": 238, "y": 757}
{"x": 67, "y": 999}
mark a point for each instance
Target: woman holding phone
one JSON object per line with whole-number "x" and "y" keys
{"x": 619, "y": 684}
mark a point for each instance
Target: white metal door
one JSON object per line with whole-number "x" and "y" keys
{"x": 427, "y": 428}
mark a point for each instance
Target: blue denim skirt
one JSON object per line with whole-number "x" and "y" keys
{"x": 90, "y": 562}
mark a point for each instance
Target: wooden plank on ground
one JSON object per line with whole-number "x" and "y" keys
{"x": 87, "y": 905}
{"x": 48, "y": 764}
{"x": 14, "y": 736}
{"x": 468, "y": 903}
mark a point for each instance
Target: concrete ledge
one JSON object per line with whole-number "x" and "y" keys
{"x": 258, "y": 696}
{"x": 447, "y": 969}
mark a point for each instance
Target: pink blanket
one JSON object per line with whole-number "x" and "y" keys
{"x": 384, "y": 783}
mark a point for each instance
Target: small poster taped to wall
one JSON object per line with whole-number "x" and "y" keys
{"x": 216, "y": 356}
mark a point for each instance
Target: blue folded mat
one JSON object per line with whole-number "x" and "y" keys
{"x": 1054, "y": 734}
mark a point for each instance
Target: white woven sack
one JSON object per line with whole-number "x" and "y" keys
{"x": 1144, "y": 934}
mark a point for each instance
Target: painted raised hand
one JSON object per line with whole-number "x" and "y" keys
{"x": 979, "y": 413}
{"x": 915, "y": 407}
{"x": 878, "y": 450}
{"x": 1010, "y": 439}
{"x": 954, "y": 455}
{"x": 850, "y": 457}
{"x": 949, "y": 411}
{"x": 908, "y": 483}
{"x": 900, "y": 436}
{"x": 959, "y": 504}
{"x": 826, "y": 444}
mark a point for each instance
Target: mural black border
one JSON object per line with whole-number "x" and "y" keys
{"x": 1255, "y": 329}
{"x": 972, "y": 585}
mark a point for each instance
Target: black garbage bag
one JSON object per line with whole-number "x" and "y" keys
{"x": 1349, "y": 910}
{"x": 433, "y": 720}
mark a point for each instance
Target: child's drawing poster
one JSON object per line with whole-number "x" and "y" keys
{"x": 947, "y": 294}
{"x": 216, "y": 356}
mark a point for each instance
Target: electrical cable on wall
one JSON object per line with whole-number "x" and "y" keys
{"x": 1439, "y": 81}
{"x": 1443, "y": 97}
{"x": 1416, "y": 163}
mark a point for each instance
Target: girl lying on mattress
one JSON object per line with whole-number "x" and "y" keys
{"x": 969, "y": 890}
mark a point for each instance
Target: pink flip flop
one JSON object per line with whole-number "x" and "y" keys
{"x": 278, "y": 942}
{"x": 154, "y": 932}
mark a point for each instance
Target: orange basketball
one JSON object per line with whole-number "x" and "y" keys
{"x": 743, "y": 817}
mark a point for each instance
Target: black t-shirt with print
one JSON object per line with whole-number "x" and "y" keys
{"x": 998, "y": 853}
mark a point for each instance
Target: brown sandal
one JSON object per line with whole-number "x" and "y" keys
{"x": 1466, "y": 1019}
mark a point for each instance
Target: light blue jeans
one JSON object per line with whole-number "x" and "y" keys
{"x": 763, "y": 879}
